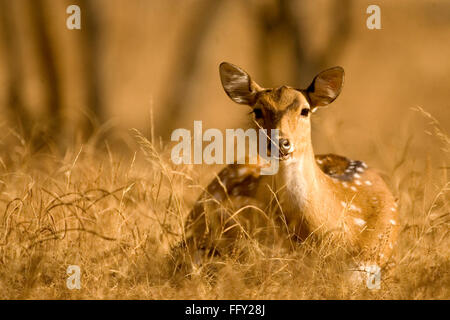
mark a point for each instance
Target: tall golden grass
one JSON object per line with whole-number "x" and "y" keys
{"x": 117, "y": 212}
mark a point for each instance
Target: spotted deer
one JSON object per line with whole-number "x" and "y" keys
{"x": 312, "y": 194}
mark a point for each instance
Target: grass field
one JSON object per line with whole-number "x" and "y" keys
{"x": 116, "y": 212}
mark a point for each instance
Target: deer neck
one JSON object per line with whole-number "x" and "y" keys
{"x": 306, "y": 193}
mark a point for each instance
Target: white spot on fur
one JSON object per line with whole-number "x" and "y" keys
{"x": 357, "y": 182}
{"x": 319, "y": 161}
{"x": 391, "y": 246}
{"x": 344, "y": 184}
{"x": 353, "y": 188}
{"x": 357, "y": 176}
{"x": 359, "y": 222}
{"x": 368, "y": 182}
{"x": 343, "y": 204}
{"x": 232, "y": 173}
{"x": 355, "y": 208}
{"x": 393, "y": 209}
{"x": 364, "y": 164}
{"x": 242, "y": 171}
{"x": 393, "y": 222}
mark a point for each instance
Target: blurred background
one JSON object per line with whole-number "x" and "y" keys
{"x": 153, "y": 65}
{"x": 78, "y": 186}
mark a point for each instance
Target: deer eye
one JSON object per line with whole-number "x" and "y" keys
{"x": 304, "y": 112}
{"x": 258, "y": 113}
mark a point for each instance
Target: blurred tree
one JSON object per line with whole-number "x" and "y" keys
{"x": 184, "y": 66}
{"x": 14, "y": 100}
{"x": 282, "y": 27}
{"x": 274, "y": 18}
{"x": 286, "y": 17}
{"x": 91, "y": 50}
{"x": 46, "y": 57}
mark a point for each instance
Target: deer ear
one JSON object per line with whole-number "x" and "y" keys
{"x": 237, "y": 84}
{"x": 326, "y": 87}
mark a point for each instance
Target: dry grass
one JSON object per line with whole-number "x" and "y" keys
{"x": 116, "y": 214}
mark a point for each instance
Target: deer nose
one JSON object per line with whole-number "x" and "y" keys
{"x": 285, "y": 145}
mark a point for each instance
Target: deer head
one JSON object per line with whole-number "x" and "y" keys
{"x": 284, "y": 108}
